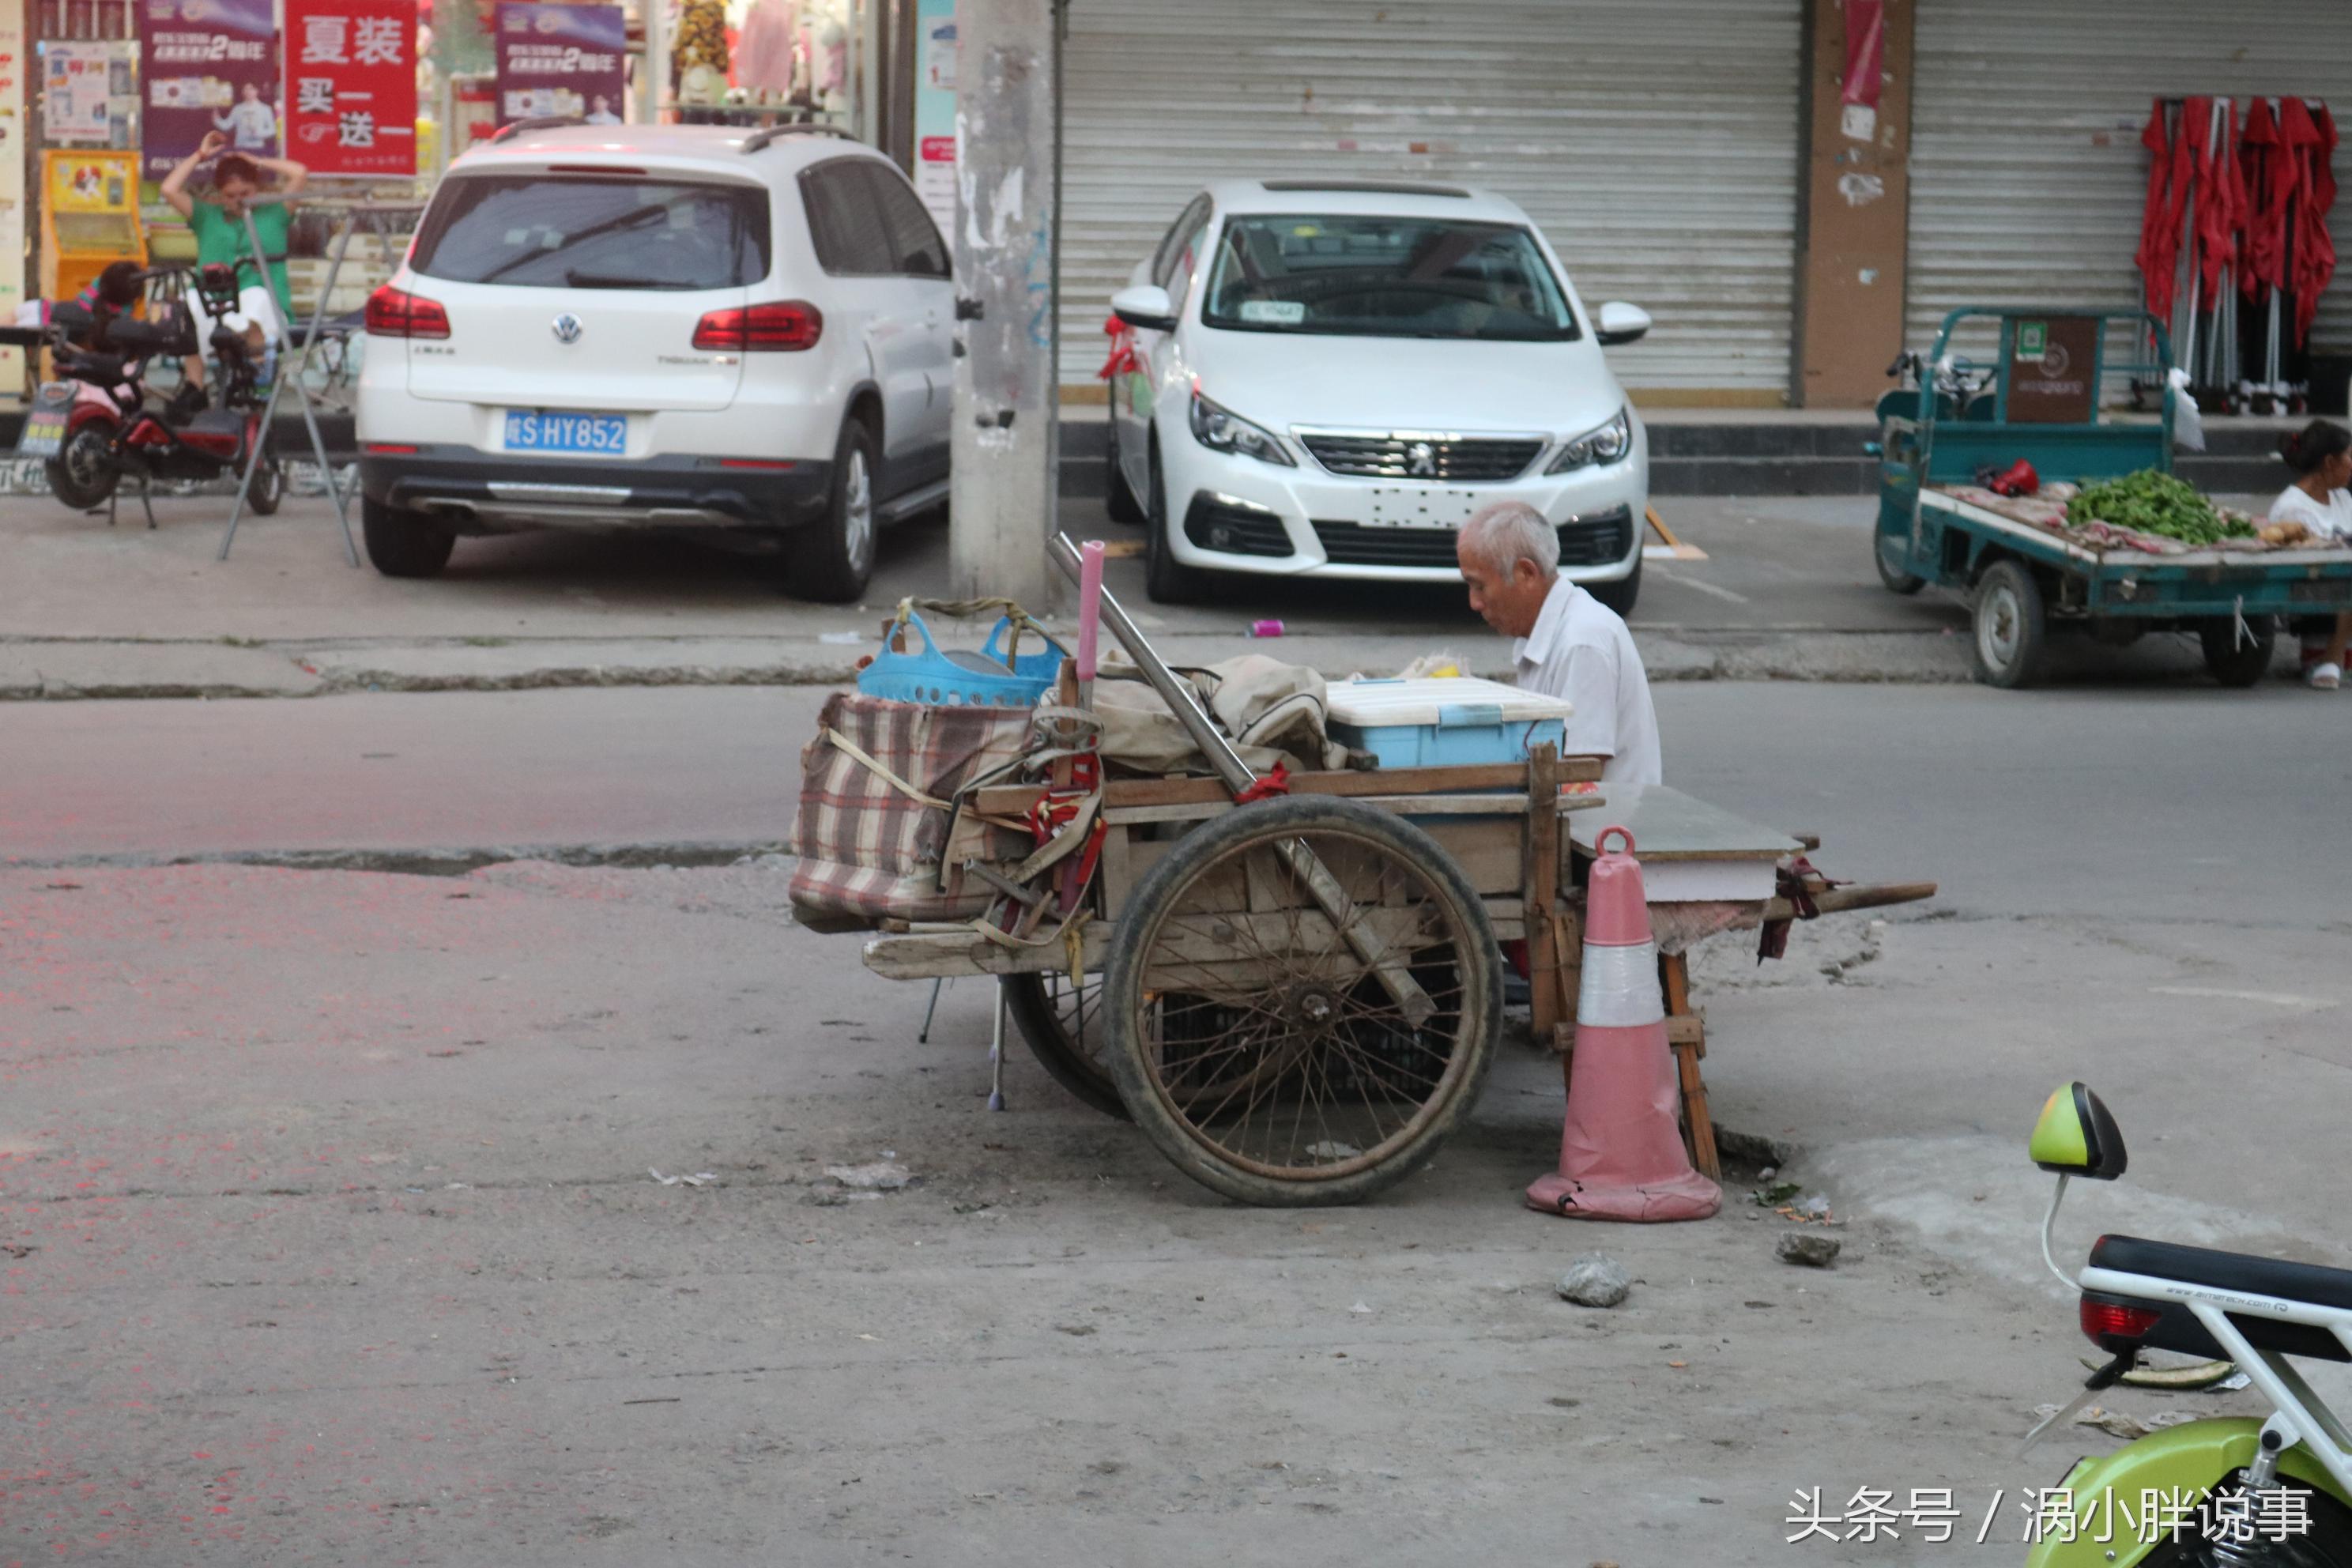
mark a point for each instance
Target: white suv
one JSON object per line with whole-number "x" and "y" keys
{"x": 1328, "y": 377}
{"x": 674, "y": 327}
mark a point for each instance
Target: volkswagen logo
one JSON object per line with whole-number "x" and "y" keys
{"x": 1421, "y": 460}
{"x": 567, "y": 328}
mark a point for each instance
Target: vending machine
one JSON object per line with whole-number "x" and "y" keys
{"x": 89, "y": 217}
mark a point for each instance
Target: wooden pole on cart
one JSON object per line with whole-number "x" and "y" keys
{"x": 1547, "y": 1007}
{"x": 1686, "y": 1036}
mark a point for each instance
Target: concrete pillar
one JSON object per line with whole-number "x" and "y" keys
{"x": 656, "y": 16}
{"x": 1852, "y": 232}
{"x": 1006, "y": 444}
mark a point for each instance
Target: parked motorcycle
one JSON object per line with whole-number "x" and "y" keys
{"x": 102, "y": 422}
{"x": 2228, "y": 1492}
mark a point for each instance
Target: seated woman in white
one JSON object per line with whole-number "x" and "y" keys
{"x": 2321, "y": 456}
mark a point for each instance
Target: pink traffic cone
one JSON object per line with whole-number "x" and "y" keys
{"x": 1621, "y": 1154}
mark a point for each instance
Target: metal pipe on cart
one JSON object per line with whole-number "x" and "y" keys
{"x": 1328, "y": 895}
{"x": 302, "y": 393}
{"x": 997, "y": 1049}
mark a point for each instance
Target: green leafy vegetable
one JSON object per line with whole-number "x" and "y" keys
{"x": 2154, "y": 501}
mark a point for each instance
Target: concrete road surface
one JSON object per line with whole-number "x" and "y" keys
{"x": 328, "y": 1232}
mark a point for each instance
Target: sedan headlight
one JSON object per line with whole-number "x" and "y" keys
{"x": 1607, "y": 445}
{"x": 1220, "y": 429}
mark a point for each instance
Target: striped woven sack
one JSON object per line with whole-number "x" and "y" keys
{"x": 873, "y": 826}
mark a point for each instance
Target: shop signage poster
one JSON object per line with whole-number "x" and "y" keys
{"x": 12, "y": 185}
{"x": 935, "y": 109}
{"x": 74, "y": 92}
{"x": 561, "y": 60}
{"x": 350, "y": 86}
{"x": 210, "y": 64}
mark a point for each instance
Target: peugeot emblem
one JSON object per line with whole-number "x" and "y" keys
{"x": 1421, "y": 460}
{"x": 567, "y": 328}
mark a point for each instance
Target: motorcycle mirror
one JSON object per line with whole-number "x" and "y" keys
{"x": 2076, "y": 1137}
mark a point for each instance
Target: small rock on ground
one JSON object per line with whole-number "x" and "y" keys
{"x": 1595, "y": 1279}
{"x": 882, "y": 1177}
{"x": 1808, "y": 1248}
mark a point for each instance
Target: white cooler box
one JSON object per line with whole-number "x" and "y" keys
{"x": 1438, "y": 722}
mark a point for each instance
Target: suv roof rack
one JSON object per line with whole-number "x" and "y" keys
{"x": 763, "y": 138}
{"x": 535, "y": 122}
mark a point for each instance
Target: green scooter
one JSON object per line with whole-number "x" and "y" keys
{"x": 2230, "y": 1492}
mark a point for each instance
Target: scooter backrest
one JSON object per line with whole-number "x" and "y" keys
{"x": 2076, "y": 1137}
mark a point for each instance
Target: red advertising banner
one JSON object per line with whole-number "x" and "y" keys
{"x": 350, "y": 86}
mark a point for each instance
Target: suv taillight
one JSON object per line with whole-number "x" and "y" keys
{"x": 780, "y": 325}
{"x": 397, "y": 314}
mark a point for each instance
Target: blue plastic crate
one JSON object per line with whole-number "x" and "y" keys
{"x": 959, "y": 677}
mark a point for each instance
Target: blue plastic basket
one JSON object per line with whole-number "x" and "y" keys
{"x": 959, "y": 677}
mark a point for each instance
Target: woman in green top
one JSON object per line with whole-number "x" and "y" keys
{"x": 219, "y": 228}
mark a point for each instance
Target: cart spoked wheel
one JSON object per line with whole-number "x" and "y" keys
{"x": 1263, "y": 1050}
{"x": 2238, "y": 658}
{"x": 2010, "y": 626}
{"x": 1063, "y": 1025}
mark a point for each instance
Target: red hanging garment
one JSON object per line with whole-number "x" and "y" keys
{"x": 2259, "y": 161}
{"x": 2179, "y": 219}
{"x": 2154, "y": 257}
{"x": 2310, "y": 252}
{"x": 2314, "y": 251}
{"x": 2217, "y": 200}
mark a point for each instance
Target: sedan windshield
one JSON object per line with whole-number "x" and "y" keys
{"x": 1385, "y": 276}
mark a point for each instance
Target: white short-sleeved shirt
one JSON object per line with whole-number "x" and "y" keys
{"x": 2331, "y": 519}
{"x": 1579, "y": 649}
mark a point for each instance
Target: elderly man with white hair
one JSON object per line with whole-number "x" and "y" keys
{"x": 1570, "y": 644}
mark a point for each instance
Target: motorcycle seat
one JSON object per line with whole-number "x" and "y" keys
{"x": 2234, "y": 1271}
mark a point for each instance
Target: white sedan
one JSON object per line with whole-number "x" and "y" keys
{"x": 1326, "y": 378}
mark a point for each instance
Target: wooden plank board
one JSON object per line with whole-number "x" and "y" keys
{"x": 1501, "y": 805}
{"x": 952, "y": 955}
{"x": 1011, "y": 800}
{"x": 1668, "y": 825}
{"x": 1488, "y": 849}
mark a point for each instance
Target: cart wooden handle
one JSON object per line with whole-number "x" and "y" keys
{"x": 1860, "y": 896}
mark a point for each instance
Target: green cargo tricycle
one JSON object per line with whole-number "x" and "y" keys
{"x": 2025, "y": 569}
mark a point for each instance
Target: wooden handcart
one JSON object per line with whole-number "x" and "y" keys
{"x": 1298, "y": 998}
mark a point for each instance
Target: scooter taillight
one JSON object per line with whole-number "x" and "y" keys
{"x": 2117, "y": 1325}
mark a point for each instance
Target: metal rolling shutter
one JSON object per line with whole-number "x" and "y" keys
{"x": 1656, "y": 142}
{"x": 2027, "y": 175}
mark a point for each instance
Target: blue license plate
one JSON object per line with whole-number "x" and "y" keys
{"x": 598, "y": 435}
